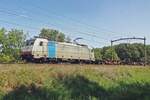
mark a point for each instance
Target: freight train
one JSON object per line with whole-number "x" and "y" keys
{"x": 43, "y": 50}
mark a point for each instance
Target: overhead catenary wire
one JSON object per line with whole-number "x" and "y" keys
{"x": 72, "y": 19}
{"x": 52, "y": 13}
{"x": 8, "y": 12}
{"x": 13, "y": 23}
{"x": 29, "y": 18}
{"x": 34, "y": 28}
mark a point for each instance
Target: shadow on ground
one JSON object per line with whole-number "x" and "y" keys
{"x": 79, "y": 88}
{"x": 134, "y": 91}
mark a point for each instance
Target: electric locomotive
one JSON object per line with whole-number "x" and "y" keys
{"x": 40, "y": 49}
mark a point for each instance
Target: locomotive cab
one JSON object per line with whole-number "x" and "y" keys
{"x": 26, "y": 51}
{"x": 34, "y": 48}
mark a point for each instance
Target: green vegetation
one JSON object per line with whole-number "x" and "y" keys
{"x": 53, "y": 35}
{"x": 74, "y": 82}
{"x": 124, "y": 52}
{"x": 10, "y": 44}
{"x": 110, "y": 54}
{"x": 12, "y": 41}
{"x": 97, "y": 53}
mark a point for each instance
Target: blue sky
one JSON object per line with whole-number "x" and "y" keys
{"x": 97, "y": 21}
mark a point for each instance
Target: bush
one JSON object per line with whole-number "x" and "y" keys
{"x": 10, "y": 45}
{"x": 6, "y": 59}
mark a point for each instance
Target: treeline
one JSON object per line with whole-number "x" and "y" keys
{"x": 12, "y": 41}
{"x": 124, "y": 53}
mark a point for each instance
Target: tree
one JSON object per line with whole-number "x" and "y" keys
{"x": 141, "y": 49}
{"x": 16, "y": 39}
{"x": 53, "y": 35}
{"x": 130, "y": 52}
{"x": 148, "y": 53}
{"x": 2, "y": 34}
{"x": 2, "y": 37}
{"x": 11, "y": 44}
{"x": 97, "y": 53}
{"x": 110, "y": 54}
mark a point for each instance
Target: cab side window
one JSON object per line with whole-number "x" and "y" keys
{"x": 41, "y": 43}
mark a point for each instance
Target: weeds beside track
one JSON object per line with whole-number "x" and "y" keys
{"x": 77, "y": 82}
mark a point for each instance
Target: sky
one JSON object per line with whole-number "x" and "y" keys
{"x": 96, "y": 21}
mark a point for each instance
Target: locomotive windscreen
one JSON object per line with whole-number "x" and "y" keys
{"x": 30, "y": 42}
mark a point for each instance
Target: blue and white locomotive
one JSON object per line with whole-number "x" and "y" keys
{"x": 41, "y": 49}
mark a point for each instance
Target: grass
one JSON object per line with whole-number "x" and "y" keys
{"x": 74, "y": 82}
